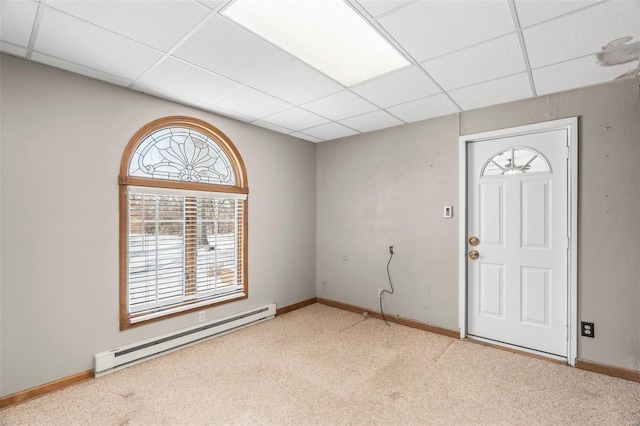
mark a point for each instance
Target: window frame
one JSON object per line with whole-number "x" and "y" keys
{"x": 125, "y": 181}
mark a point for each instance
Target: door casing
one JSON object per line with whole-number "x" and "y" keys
{"x": 571, "y": 125}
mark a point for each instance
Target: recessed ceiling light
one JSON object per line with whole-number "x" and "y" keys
{"x": 326, "y": 34}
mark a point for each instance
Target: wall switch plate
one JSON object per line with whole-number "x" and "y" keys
{"x": 448, "y": 212}
{"x": 587, "y": 329}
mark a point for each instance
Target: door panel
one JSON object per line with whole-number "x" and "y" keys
{"x": 492, "y": 290}
{"x": 535, "y": 295}
{"x": 535, "y": 214}
{"x": 491, "y": 213}
{"x": 517, "y": 288}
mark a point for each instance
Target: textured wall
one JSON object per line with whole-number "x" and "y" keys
{"x": 608, "y": 207}
{"x": 389, "y": 187}
{"x": 62, "y": 141}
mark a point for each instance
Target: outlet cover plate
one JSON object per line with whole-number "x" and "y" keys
{"x": 587, "y": 329}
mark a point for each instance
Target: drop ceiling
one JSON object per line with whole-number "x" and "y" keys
{"x": 463, "y": 55}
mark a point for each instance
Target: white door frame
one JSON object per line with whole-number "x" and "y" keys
{"x": 571, "y": 126}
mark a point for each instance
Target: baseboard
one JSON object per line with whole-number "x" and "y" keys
{"x": 621, "y": 373}
{"x": 18, "y": 397}
{"x": 403, "y": 321}
{"x": 25, "y": 395}
{"x": 37, "y": 391}
{"x": 295, "y": 306}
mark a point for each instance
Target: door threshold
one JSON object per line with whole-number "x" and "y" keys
{"x": 517, "y": 349}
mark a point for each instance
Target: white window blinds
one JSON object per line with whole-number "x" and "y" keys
{"x": 184, "y": 249}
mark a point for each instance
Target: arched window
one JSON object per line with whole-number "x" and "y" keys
{"x": 515, "y": 160}
{"x": 183, "y": 221}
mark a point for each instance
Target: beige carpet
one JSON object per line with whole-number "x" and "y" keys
{"x": 321, "y": 365}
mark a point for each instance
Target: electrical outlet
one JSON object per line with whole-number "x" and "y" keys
{"x": 391, "y": 250}
{"x": 587, "y": 329}
{"x": 324, "y": 286}
{"x": 345, "y": 255}
{"x": 202, "y": 315}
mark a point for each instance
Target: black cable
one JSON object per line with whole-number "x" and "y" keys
{"x": 386, "y": 291}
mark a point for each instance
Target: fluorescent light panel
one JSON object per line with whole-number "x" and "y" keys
{"x": 326, "y": 34}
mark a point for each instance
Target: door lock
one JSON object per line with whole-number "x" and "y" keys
{"x": 474, "y": 241}
{"x": 473, "y": 254}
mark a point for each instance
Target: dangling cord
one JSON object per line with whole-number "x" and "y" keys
{"x": 386, "y": 291}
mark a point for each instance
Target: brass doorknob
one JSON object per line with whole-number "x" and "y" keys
{"x": 474, "y": 241}
{"x": 473, "y": 254}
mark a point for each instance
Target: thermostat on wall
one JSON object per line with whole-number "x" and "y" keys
{"x": 448, "y": 212}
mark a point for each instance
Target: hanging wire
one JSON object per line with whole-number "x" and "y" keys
{"x": 387, "y": 291}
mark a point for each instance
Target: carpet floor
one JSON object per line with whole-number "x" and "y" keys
{"x": 325, "y": 366}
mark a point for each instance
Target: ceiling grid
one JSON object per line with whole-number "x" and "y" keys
{"x": 462, "y": 55}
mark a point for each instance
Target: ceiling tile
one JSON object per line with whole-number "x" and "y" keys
{"x": 305, "y": 137}
{"x": 427, "y": 29}
{"x": 16, "y": 21}
{"x": 577, "y": 73}
{"x": 159, "y": 24}
{"x": 79, "y": 69}
{"x": 493, "y": 92}
{"x": 227, "y": 49}
{"x": 533, "y": 11}
{"x": 372, "y": 121}
{"x": 251, "y": 102}
{"x": 330, "y": 131}
{"x": 340, "y": 105}
{"x": 398, "y": 87}
{"x": 79, "y": 42}
{"x": 486, "y": 61}
{"x": 211, "y": 4}
{"x": 181, "y": 77}
{"x": 425, "y": 108}
{"x": 171, "y": 96}
{"x": 228, "y": 113}
{"x": 271, "y": 126}
{"x": 296, "y": 119}
{"x": 297, "y": 83}
{"x": 378, "y": 7}
{"x": 582, "y": 33}
{"x": 12, "y": 49}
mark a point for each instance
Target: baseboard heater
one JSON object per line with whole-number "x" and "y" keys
{"x": 110, "y": 361}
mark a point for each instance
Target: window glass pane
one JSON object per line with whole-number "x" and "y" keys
{"x": 515, "y": 161}
{"x": 182, "y": 249}
{"x": 217, "y": 255}
{"x": 497, "y": 164}
{"x": 181, "y": 154}
{"x": 537, "y": 165}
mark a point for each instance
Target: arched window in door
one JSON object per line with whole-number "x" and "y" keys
{"x": 515, "y": 160}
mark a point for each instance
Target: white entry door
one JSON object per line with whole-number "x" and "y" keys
{"x": 517, "y": 211}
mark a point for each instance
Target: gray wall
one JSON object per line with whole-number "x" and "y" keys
{"x": 389, "y": 187}
{"x": 62, "y": 140}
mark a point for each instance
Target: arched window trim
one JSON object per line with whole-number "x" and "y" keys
{"x": 534, "y": 152}
{"x": 192, "y": 123}
{"x": 125, "y": 181}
